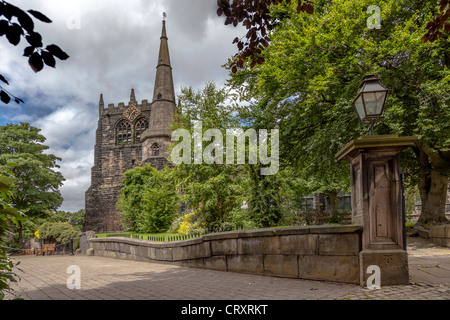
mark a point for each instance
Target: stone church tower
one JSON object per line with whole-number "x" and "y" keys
{"x": 128, "y": 136}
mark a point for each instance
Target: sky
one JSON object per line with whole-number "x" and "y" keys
{"x": 113, "y": 47}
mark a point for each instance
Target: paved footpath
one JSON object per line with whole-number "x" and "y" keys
{"x": 45, "y": 278}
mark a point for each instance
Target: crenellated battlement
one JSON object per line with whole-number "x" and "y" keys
{"x": 121, "y": 107}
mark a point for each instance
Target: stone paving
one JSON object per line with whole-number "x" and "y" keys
{"x": 45, "y": 278}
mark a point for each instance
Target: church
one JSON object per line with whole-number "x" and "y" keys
{"x": 129, "y": 135}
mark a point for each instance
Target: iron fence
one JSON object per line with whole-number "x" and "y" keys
{"x": 180, "y": 237}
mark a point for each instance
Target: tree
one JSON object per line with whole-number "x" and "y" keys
{"x": 212, "y": 189}
{"x": 257, "y": 18}
{"x": 311, "y": 74}
{"x": 16, "y": 24}
{"x": 75, "y": 219}
{"x": 38, "y": 182}
{"x": 148, "y": 200}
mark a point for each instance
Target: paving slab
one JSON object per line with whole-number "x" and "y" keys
{"x": 45, "y": 278}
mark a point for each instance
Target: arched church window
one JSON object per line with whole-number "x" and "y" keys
{"x": 155, "y": 150}
{"x": 141, "y": 126}
{"x": 124, "y": 132}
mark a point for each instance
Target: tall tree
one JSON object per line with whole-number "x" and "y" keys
{"x": 257, "y": 17}
{"x": 212, "y": 188}
{"x": 311, "y": 74}
{"x": 37, "y": 178}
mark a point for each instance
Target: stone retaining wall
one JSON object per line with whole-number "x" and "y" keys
{"x": 318, "y": 252}
{"x": 439, "y": 235}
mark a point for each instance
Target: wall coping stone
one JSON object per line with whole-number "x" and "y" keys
{"x": 292, "y": 231}
{"x": 148, "y": 243}
{"x": 336, "y": 229}
{"x": 299, "y": 230}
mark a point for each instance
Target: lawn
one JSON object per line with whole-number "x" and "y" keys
{"x": 145, "y": 236}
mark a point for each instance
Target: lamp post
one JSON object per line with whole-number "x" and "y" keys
{"x": 369, "y": 103}
{"x": 377, "y": 197}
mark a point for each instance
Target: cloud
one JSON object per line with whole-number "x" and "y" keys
{"x": 113, "y": 47}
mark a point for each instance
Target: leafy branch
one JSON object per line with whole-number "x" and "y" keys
{"x": 16, "y": 24}
{"x": 439, "y": 24}
{"x": 255, "y": 16}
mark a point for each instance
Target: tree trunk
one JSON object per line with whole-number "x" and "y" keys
{"x": 433, "y": 193}
{"x": 332, "y": 195}
{"x": 433, "y": 185}
{"x": 10, "y": 234}
{"x": 19, "y": 231}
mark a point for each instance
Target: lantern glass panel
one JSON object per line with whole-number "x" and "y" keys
{"x": 359, "y": 106}
{"x": 373, "y": 86}
{"x": 374, "y": 102}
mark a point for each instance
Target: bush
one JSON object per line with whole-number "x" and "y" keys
{"x": 60, "y": 232}
{"x": 189, "y": 224}
{"x": 148, "y": 201}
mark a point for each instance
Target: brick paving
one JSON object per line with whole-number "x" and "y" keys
{"x": 45, "y": 278}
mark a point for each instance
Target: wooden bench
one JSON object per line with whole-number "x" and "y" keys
{"x": 46, "y": 249}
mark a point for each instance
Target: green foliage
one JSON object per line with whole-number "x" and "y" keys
{"x": 31, "y": 224}
{"x": 311, "y": 74}
{"x": 37, "y": 186}
{"x": 214, "y": 191}
{"x": 9, "y": 219}
{"x": 73, "y": 218}
{"x": 148, "y": 201}
{"x": 411, "y": 198}
{"x": 61, "y": 232}
{"x": 264, "y": 198}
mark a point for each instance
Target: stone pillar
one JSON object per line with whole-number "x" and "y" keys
{"x": 84, "y": 237}
{"x": 377, "y": 204}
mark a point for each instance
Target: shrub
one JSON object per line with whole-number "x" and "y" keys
{"x": 60, "y": 232}
{"x": 189, "y": 224}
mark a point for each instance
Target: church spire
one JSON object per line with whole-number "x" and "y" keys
{"x": 156, "y": 139}
{"x": 164, "y": 89}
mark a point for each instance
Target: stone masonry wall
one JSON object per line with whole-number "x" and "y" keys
{"x": 111, "y": 161}
{"x": 318, "y": 252}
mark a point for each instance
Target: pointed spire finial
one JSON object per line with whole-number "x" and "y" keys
{"x": 164, "y": 33}
{"x": 164, "y": 17}
{"x": 132, "y": 96}
{"x": 101, "y": 103}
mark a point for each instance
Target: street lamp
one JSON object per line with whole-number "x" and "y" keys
{"x": 369, "y": 102}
